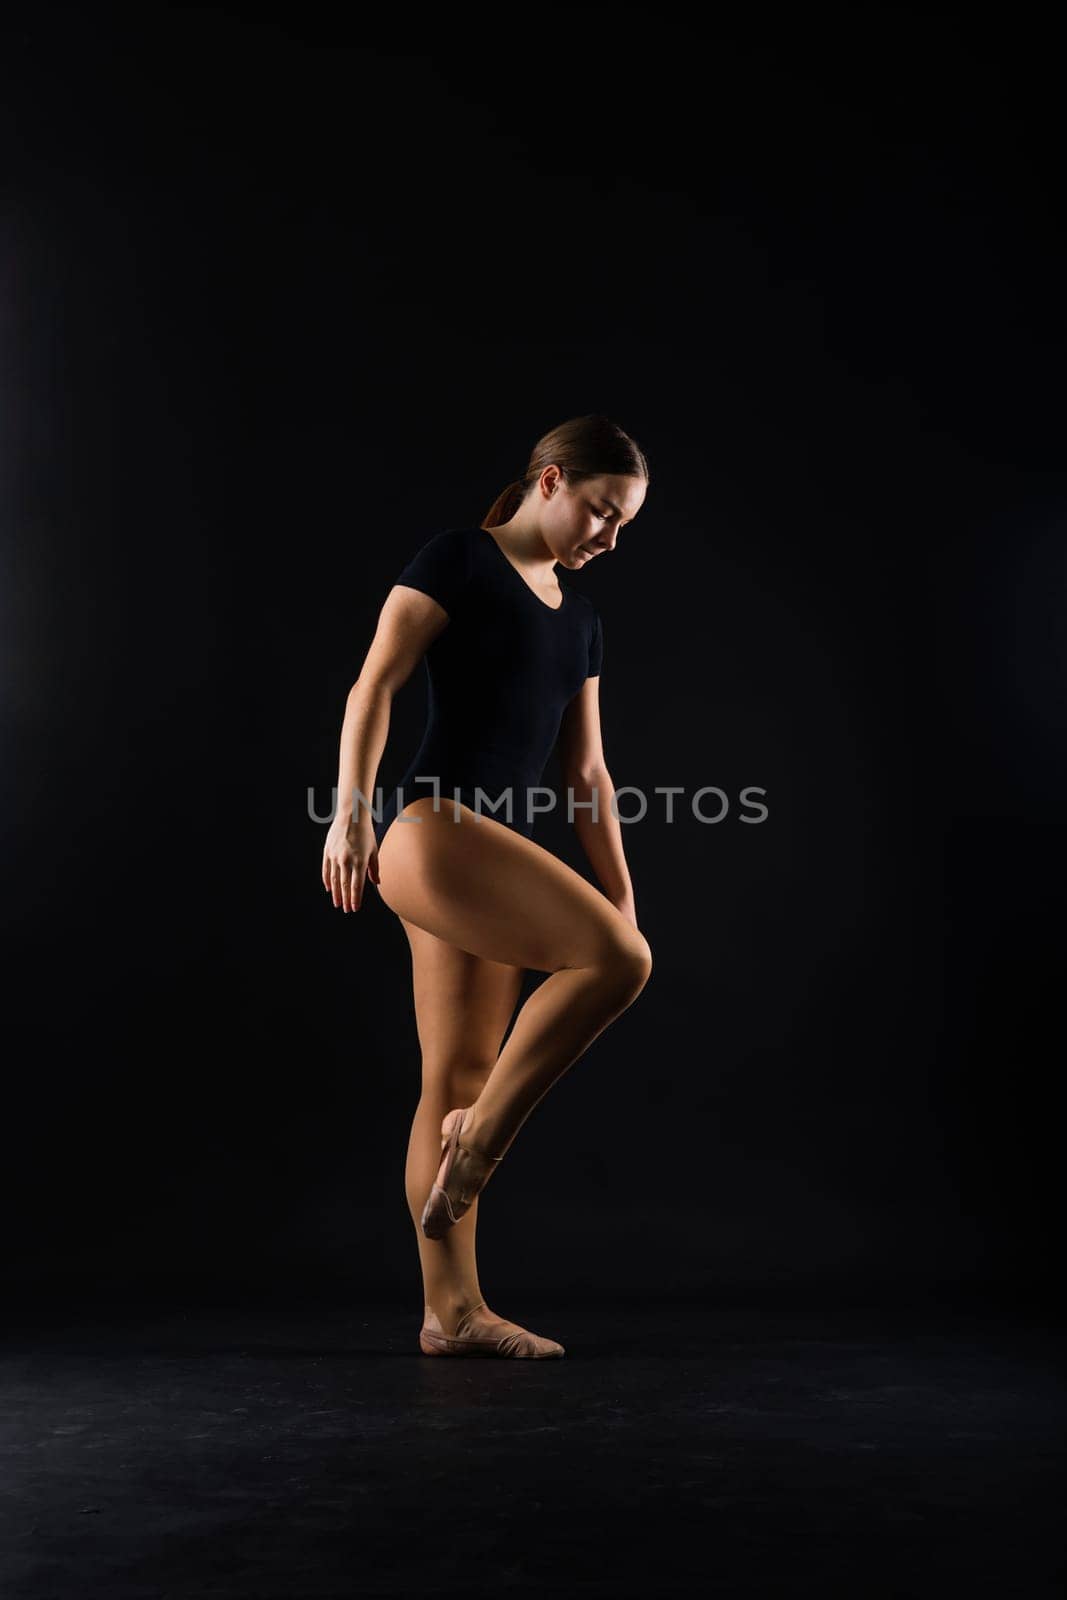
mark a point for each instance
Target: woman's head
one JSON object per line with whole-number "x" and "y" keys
{"x": 584, "y": 481}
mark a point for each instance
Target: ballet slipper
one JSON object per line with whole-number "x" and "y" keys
{"x": 445, "y": 1206}
{"x": 477, "y": 1334}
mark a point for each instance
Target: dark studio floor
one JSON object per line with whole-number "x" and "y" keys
{"x": 259, "y": 1452}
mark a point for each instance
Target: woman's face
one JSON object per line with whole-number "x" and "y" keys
{"x": 583, "y": 522}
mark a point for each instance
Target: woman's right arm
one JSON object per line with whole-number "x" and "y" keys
{"x": 407, "y": 625}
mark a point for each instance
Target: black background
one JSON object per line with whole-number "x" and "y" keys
{"x": 282, "y": 295}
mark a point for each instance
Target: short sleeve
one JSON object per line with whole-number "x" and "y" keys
{"x": 441, "y": 568}
{"x": 596, "y": 647}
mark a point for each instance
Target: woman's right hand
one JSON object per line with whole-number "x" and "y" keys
{"x": 350, "y": 855}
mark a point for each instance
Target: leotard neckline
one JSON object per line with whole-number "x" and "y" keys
{"x": 563, "y": 587}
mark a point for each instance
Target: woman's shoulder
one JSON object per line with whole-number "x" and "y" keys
{"x": 451, "y": 545}
{"x": 452, "y": 541}
{"x": 440, "y": 566}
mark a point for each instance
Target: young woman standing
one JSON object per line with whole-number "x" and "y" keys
{"x": 513, "y": 658}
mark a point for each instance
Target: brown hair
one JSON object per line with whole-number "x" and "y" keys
{"x": 584, "y": 447}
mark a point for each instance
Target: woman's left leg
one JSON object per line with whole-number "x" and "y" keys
{"x": 463, "y": 1006}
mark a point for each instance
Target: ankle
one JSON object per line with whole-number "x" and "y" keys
{"x": 449, "y": 1311}
{"x": 479, "y": 1135}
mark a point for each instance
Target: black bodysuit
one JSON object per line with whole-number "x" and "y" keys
{"x": 499, "y": 676}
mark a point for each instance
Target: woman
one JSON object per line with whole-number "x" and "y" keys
{"x": 513, "y": 662}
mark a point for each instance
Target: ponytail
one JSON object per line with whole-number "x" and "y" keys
{"x": 505, "y": 505}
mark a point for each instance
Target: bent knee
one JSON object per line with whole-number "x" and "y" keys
{"x": 630, "y": 963}
{"x": 642, "y": 958}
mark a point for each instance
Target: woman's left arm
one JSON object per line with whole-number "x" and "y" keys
{"x": 586, "y": 776}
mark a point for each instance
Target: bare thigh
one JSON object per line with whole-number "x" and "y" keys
{"x": 490, "y": 891}
{"x": 463, "y": 1005}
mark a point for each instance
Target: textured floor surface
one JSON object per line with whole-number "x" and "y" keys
{"x": 242, "y": 1452}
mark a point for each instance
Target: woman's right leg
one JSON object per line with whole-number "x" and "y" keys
{"x": 487, "y": 889}
{"x": 463, "y": 1006}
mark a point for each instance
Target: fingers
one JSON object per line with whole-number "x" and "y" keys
{"x": 343, "y": 883}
